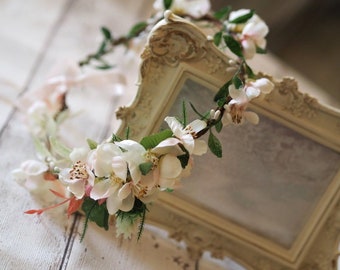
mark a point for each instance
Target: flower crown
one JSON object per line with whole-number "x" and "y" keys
{"x": 119, "y": 177}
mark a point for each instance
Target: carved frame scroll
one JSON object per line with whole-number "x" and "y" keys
{"x": 177, "y": 50}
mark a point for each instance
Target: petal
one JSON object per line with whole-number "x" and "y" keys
{"x": 226, "y": 119}
{"x": 127, "y": 203}
{"x": 175, "y": 126}
{"x": 134, "y": 151}
{"x": 201, "y": 147}
{"x": 255, "y": 29}
{"x": 119, "y": 167}
{"x": 261, "y": 42}
{"x": 265, "y": 85}
{"x": 33, "y": 167}
{"x": 188, "y": 142}
{"x": 135, "y": 172}
{"x": 79, "y": 154}
{"x": 149, "y": 180}
{"x": 101, "y": 159}
{"x": 195, "y": 8}
{"x": 239, "y": 95}
{"x": 197, "y": 125}
{"x": 124, "y": 191}
{"x": 170, "y": 167}
{"x": 168, "y": 146}
{"x": 252, "y": 92}
{"x": 108, "y": 150}
{"x": 113, "y": 204}
{"x": 77, "y": 187}
{"x": 251, "y": 117}
{"x": 249, "y": 48}
{"x": 131, "y": 146}
{"x": 64, "y": 176}
{"x": 103, "y": 189}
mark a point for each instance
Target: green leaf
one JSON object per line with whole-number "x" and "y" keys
{"x": 184, "y": 111}
{"x": 223, "y": 92}
{"x": 260, "y": 50}
{"x": 137, "y": 29}
{"x": 214, "y": 145}
{"x": 41, "y": 148}
{"x": 95, "y": 212}
{"x": 62, "y": 116}
{"x": 218, "y": 38}
{"x": 233, "y": 45}
{"x": 221, "y": 102}
{"x": 184, "y": 159}
{"x": 115, "y": 138}
{"x": 167, "y": 4}
{"x": 127, "y": 133}
{"x": 203, "y": 116}
{"x": 106, "y": 32}
{"x": 104, "y": 67}
{"x": 92, "y": 144}
{"x": 244, "y": 18}
{"x": 250, "y": 72}
{"x": 145, "y": 167}
{"x": 154, "y": 139}
{"x": 219, "y": 126}
{"x": 101, "y": 50}
{"x": 59, "y": 148}
{"x": 237, "y": 82}
{"x": 223, "y": 13}
{"x": 141, "y": 223}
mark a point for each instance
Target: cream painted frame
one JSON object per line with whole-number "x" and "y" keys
{"x": 178, "y": 50}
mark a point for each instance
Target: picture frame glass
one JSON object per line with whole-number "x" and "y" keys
{"x": 269, "y": 179}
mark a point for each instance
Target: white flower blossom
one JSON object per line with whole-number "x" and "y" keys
{"x": 187, "y": 135}
{"x": 134, "y": 155}
{"x": 194, "y": 8}
{"x": 251, "y": 34}
{"x": 40, "y": 119}
{"x": 142, "y": 186}
{"x": 170, "y": 172}
{"x": 236, "y": 109}
{"x": 77, "y": 177}
{"x": 31, "y": 174}
{"x": 102, "y": 159}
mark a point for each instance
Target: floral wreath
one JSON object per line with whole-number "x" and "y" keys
{"x": 119, "y": 177}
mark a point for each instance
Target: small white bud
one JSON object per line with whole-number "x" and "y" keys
{"x": 217, "y": 114}
{"x": 212, "y": 113}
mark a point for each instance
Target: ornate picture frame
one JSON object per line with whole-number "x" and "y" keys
{"x": 179, "y": 55}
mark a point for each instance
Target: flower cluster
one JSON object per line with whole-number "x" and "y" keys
{"x": 120, "y": 176}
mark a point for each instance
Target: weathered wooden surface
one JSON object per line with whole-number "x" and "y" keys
{"x": 34, "y": 36}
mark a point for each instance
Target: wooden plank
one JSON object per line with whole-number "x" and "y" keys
{"x": 101, "y": 249}
{"x": 26, "y": 241}
{"x": 24, "y": 32}
{"x": 30, "y": 242}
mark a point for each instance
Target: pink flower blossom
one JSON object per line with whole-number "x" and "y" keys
{"x": 251, "y": 34}
{"x": 236, "y": 109}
